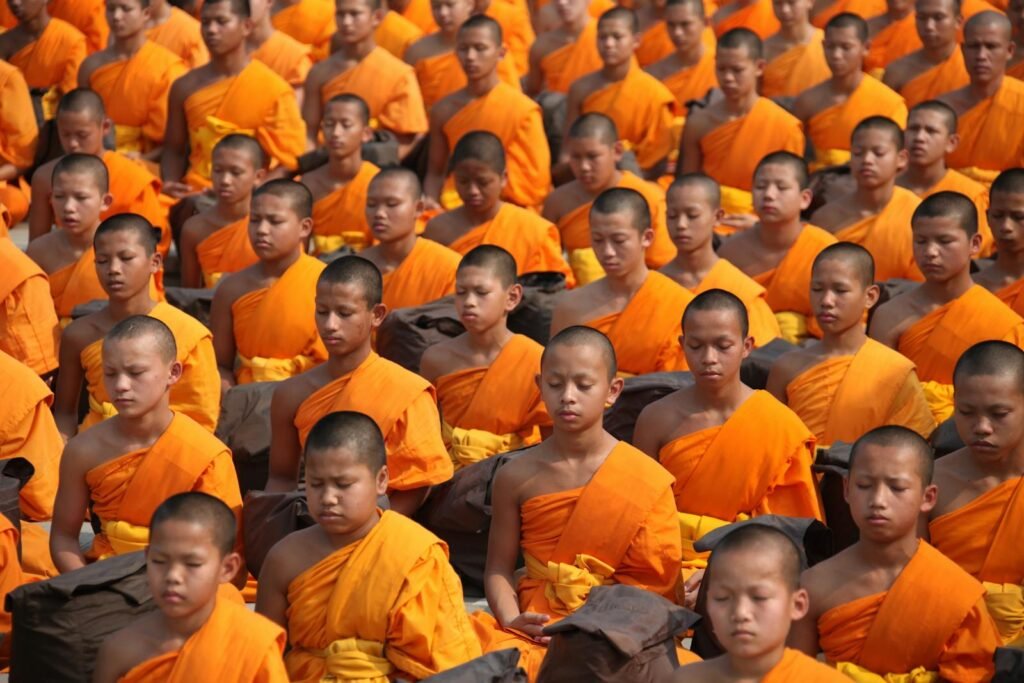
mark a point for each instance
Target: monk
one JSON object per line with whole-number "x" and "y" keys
{"x": 286, "y": 56}
{"x": 689, "y": 72}
{"x": 876, "y": 212}
{"x": 930, "y": 138}
{"x": 825, "y": 10}
{"x": 693, "y": 210}
{"x": 133, "y": 76}
{"x": 415, "y": 269}
{"x": 348, "y": 309}
{"x": 479, "y": 169}
{"x": 126, "y": 260}
{"x": 779, "y": 250}
{"x": 989, "y": 142}
{"x": 29, "y": 330}
{"x": 128, "y": 465}
{"x": 565, "y": 53}
{"x": 514, "y": 19}
{"x": 795, "y": 56}
{"x": 939, "y": 64}
{"x": 1005, "y": 277}
{"x": 19, "y": 135}
{"x": 583, "y": 508}
{"x": 87, "y": 16}
{"x": 979, "y": 499}
{"x": 262, "y": 316}
{"x": 365, "y": 595}
{"x": 642, "y": 108}
{"x": 756, "y": 15}
{"x": 395, "y": 33}
{"x": 846, "y": 384}
{"x": 232, "y": 94}
{"x": 215, "y": 241}
{"x": 486, "y": 377}
{"x": 893, "y": 36}
{"x": 756, "y": 564}
{"x": 339, "y": 186}
{"x": 891, "y": 603}
{"x": 486, "y": 103}
{"x": 184, "y": 639}
{"x": 308, "y": 21}
{"x": 47, "y": 50}
{"x": 594, "y": 152}
{"x": 361, "y": 67}
{"x": 739, "y": 119}
{"x": 832, "y": 109}
{"x": 177, "y": 31}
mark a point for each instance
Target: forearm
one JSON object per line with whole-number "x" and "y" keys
{"x": 66, "y": 553}
{"x": 501, "y": 597}
{"x": 408, "y": 502}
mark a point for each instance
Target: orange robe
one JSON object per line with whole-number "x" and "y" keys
{"x": 533, "y": 241}
{"x": 950, "y": 74}
{"x": 390, "y": 89}
{"x": 954, "y": 181}
{"x": 275, "y": 327}
{"x": 619, "y": 528}
{"x": 516, "y": 120}
{"x": 516, "y": 29}
{"x": 564, "y": 65}
{"x": 395, "y": 34}
{"x": 426, "y": 274}
{"x": 310, "y": 22}
{"x": 756, "y": 15}
{"x": 1015, "y": 70}
{"x": 766, "y": 128}
{"x": 10, "y": 569}
{"x": 7, "y": 18}
{"x": 386, "y": 606}
{"x": 19, "y": 134}
{"x": 933, "y": 611}
{"x": 656, "y": 309}
{"x": 136, "y": 190}
{"x": 88, "y": 16}
{"x": 29, "y": 330}
{"x": 991, "y": 139}
{"x": 127, "y": 489}
{"x": 257, "y": 102}
{"x": 226, "y": 251}
{"x": 845, "y": 397}
{"x": 830, "y": 129}
{"x": 796, "y": 666}
{"x": 257, "y": 646}
{"x": 134, "y": 92}
{"x": 408, "y": 420}
{"x": 897, "y": 39}
{"x": 339, "y": 218}
{"x": 695, "y": 82}
{"x": 75, "y": 284}
{"x": 441, "y": 75}
{"x": 655, "y": 44}
{"x": 983, "y": 537}
{"x": 496, "y": 408}
{"x": 181, "y": 35}
{"x": 865, "y": 9}
{"x": 796, "y": 69}
{"x": 724, "y": 275}
{"x": 51, "y": 63}
{"x": 643, "y": 111}
{"x": 1013, "y": 296}
{"x": 286, "y": 57}
{"x": 196, "y": 394}
{"x": 887, "y": 236}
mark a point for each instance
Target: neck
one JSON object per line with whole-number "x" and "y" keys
{"x": 129, "y": 45}
{"x": 847, "y": 342}
{"x": 797, "y": 33}
{"x": 185, "y": 627}
{"x": 231, "y": 63}
{"x": 755, "y": 668}
{"x": 697, "y": 262}
{"x": 630, "y": 283}
{"x": 233, "y": 211}
{"x": 616, "y": 72}
{"x": 139, "y": 303}
{"x": 397, "y": 251}
{"x": 897, "y": 14}
{"x": 1009, "y": 466}
{"x": 37, "y": 24}
{"x": 690, "y": 54}
{"x": 81, "y": 242}
{"x": 345, "y": 167}
{"x": 582, "y": 444}
{"x": 359, "y": 49}
{"x": 742, "y": 104}
{"x": 1010, "y": 261}
{"x": 888, "y": 555}
{"x": 924, "y": 176}
{"x": 950, "y": 289}
{"x": 847, "y": 83}
{"x": 277, "y": 267}
{"x": 339, "y": 366}
{"x": 983, "y": 91}
{"x": 576, "y": 27}
{"x": 483, "y": 85}
{"x": 780, "y": 235}
{"x": 261, "y": 31}
{"x": 941, "y": 53}
{"x": 874, "y": 199}
{"x": 724, "y": 397}
{"x": 488, "y": 214}
{"x": 148, "y": 427}
{"x": 494, "y": 338}
{"x": 339, "y": 541}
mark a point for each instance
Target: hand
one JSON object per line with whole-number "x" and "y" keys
{"x": 690, "y": 589}
{"x": 431, "y": 204}
{"x": 532, "y": 625}
{"x": 177, "y": 189}
{"x": 740, "y": 221}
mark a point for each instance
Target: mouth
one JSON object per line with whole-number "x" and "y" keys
{"x": 827, "y": 317}
{"x": 567, "y": 415}
{"x": 469, "y": 317}
{"x": 877, "y": 520}
{"x": 262, "y": 244}
{"x": 983, "y": 445}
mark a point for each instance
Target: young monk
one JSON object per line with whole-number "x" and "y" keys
{"x": 215, "y": 241}
{"x": 262, "y": 316}
{"x": 360, "y": 67}
{"x": 594, "y": 152}
{"x": 364, "y": 594}
{"x": 47, "y": 50}
{"x": 795, "y": 56}
{"x": 19, "y": 136}
{"x": 642, "y": 108}
{"x": 754, "y": 596}
{"x": 127, "y": 465}
{"x": 696, "y": 432}
{"x": 395, "y": 33}
{"x": 580, "y": 504}
{"x": 740, "y": 119}
{"x": 178, "y": 31}
{"x": 415, "y": 269}
{"x": 189, "y": 558}
{"x": 339, "y": 186}
{"x": 486, "y": 103}
{"x": 133, "y": 76}
{"x": 936, "y": 321}
{"x": 285, "y": 56}
{"x": 979, "y": 502}
{"x": 630, "y": 297}
{"x": 846, "y": 384}
{"x": 126, "y": 260}
{"x": 485, "y": 377}
{"x": 478, "y": 168}
{"x": 565, "y": 53}
{"x": 832, "y": 109}
{"x": 876, "y": 212}
{"x": 891, "y": 603}
{"x": 1005, "y": 277}
{"x": 514, "y": 19}
{"x": 234, "y": 93}
{"x": 307, "y": 21}
{"x": 689, "y": 72}
{"x": 939, "y": 64}
{"x": 29, "y": 330}
{"x": 693, "y": 202}
{"x": 893, "y": 36}
{"x": 779, "y": 250}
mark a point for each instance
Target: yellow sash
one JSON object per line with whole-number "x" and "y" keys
{"x": 125, "y": 537}
{"x": 737, "y": 201}
{"x": 793, "y": 326}
{"x": 103, "y": 409}
{"x": 585, "y": 266}
{"x": 940, "y": 399}
{"x": 325, "y": 244}
{"x": 355, "y": 661}
{"x": 829, "y": 157}
{"x": 856, "y": 673}
{"x": 128, "y": 139}
{"x": 211, "y": 279}
{"x": 566, "y": 586}
{"x": 1005, "y": 602}
{"x": 692, "y": 528}
{"x": 207, "y": 137}
{"x": 467, "y": 446}
{"x": 259, "y": 369}
{"x": 981, "y": 175}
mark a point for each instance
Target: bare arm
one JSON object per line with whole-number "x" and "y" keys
{"x": 174, "y": 161}
{"x": 533, "y": 81}
{"x": 69, "y": 384}
{"x": 191, "y": 275}
{"x": 222, "y": 326}
{"x": 409, "y": 501}
{"x": 690, "y": 159}
{"x": 284, "y": 441}
{"x": 272, "y": 592}
{"x": 573, "y": 102}
{"x": 312, "y": 109}
{"x": 437, "y": 161}
{"x": 778, "y": 380}
{"x": 645, "y": 432}
{"x": 69, "y": 511}
{"x": 40, "y": 211}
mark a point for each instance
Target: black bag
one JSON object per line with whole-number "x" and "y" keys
{"x": 195, "y": 302}
{"x": 407, "y": 332}
{"x": 501, "y": 666}
{"x": 532, "y": 316}
{"x": 945, "y": 439}
{"x": 14, "y": 474}
{"x": 1009, "y": 665}
{"x": 755, "y": 367}
{"x": 637, "y": 393}
{"x": 244, "y": 427}
{"x": 833, "y": 465}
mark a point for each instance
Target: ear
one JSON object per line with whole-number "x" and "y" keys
{"x": 367, "y": 135}
{"x": 806, "y": 196}
{"x": 379, "y": 312}
{"x": 614, "y": 390}
{"x": 719, "y": 214}
{"x": 383, "y": 478}
{"x": 420, "y": 205}
{"x": 846, "y": 488}
{"x": 930, "y": 498}
{"x": 748, "y": 346}
{"x": 504, "y": 179}
{"x": 306, "y": 228}
{"x": 259, "y": 177}
{"x": 647, "y": 238}
{"x": 174, "y": 374}
{"x": 759, "y": 65}
{"x": 156, "y": 261}
{"x": 377, "y": 16}
{"x": 513, "y": 296}
{"x": 247, "y": 26}
{"x": 536, "y": 380}
{"x": 229, "y": 567}
{"x": 902, "y": 159}
{"x": 618, "y": 149}
{"x": 106, "y": 201}
{"x": 106, "y": 126}
{"x": 502, "y": 51}
{"x": 871, "y": 295}
{"x": 952, "y": 142}
{"x": 801, "y": 603}
{"x": 975, "y": 244}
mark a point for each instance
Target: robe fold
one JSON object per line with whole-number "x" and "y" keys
{"x": 386, "y": 606}
{"x": 695, "y": 82}
{"x": 88, "y": 16}
{"x": 339, "y": 218}
{"x": 898, "y": 39}
{"x": 395, "y": 34}
{"x": 226, "y": 251}
{"x": 441, "y": 75}
{"x": 516, "y": 30}
{"x": 19, "y": 134}
{"x": 990, "y": 135}
{"x": 619, "y": 528}
{"x": 196, "y": 394}
{"x": 655, "y": 44}
{"x": 127, "y": 489}
{"x": 286, "y": 57}
{"x": 390, "y": 89}
{"x": 408, "y": 420}
{"x": 275, "y": 327}
{"x": 10, "y": 570}
{"x": 50, "y": 64}
{"x": 797, "y": 69}
{"x": 426, "y": 274}
{"x": 795, "y": 666}
{"x": 1013, "y": 296}
{"x": 756, "y": 15}
{"x": 888, "y": 237}
{"x": 516, "y": 120}
{"x": 181, "y": 35}
{"x": 865, "y": 9}
{"x": 310, "y": 22}
{"x": 136, "y": 190}
{"x": 419, "y": 13}
{"x": 933, "y": 611}
{"x": 75, "y": 283}
{"x": 29, "y": 330}
{"x": 950, "y": 74}
{"x": 724, "y": 275}
{"x": 564, "y": 65}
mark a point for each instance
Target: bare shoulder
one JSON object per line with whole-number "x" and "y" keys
{"x": 571, "y": 305}
{"x": 893, "y": 317}
{"x": 561, "y": 201}
{"x": 584, "y": 85}
{"x": 442, "y": 359}
{"x": 323, "y": 71}
{"x": 810, "y": 101}
{"x": 424, "y": 47}
{"x": 736, "y": 245}
{"x": 47, "y": 251}
{"x": 790, "y": 365}
{"x": 83, "y": 331}
{"x": 294, "y": 554}
{"x": 518, "y": 472}
{"x": 236, "y": 284}
{"x": 443, "y": 228}
{"x": 199, "y": 226}
{"x": 43, "y": 176}
{"x": 547, "y": 42}
{"x": 125, "y": 649}
{"x": 293, "y": 391}
{"x": 902, "y": 70}
{"x": 447, "y": 106}
{"x": 698, "y": 672}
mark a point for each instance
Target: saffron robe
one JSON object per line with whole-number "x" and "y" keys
{"x": 991, "y": 140}
{"x": 950, "y": 74}
{"x": 564, "y": 65}
{"x": 19, "y": 134}
{"x": 898, "y": 39}
{"x": 441, "y": 75}
{"x": 388, "y": 605}
{"x": 408, "y": 420}
{"x": 426, "y": 274}
{"x": 226, "y": 251}
{"x": 286, "y": 57}
{"x": 390, "y": 89}
{"x": 419, "y": 13}
{"x": 88, "y": 16}
{"x": 136, "y": 190}
{"x": 181, "y": 35}
{"x": 695, "y": 82}
{"x": 29, "y": 330}
{"x": 724, "y": 275}
{"x": 310, "y": 22}
{"x": 756, "y": 15}
{"x": 51, "y": 63}
{"x": 795, "y": 666}
{"x": 954, "y": 181}
{"x": 1013, "y": 296}
{"x": 866, "y": 9}
{"x": 395, "y": 34}
{"x": 797, "y": 69}
{"x": 516, "y": 29}
{"x": 10, "y": 569}
{"x": 75, "y": 284}
{"x": 887, "y": 236}
{"x": 655, "y": 44}
{"x": 339, "y": 218}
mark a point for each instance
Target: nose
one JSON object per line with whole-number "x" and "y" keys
{"x": 122, "y": 382}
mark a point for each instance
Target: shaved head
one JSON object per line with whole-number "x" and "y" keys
{"x": 355, "y": 269}
{"x": 849, "y": 20}
{"x": 84, "y": 164}
{"x": 355, "y": 432}
{"x": 881, "y": 123}
{"x": 948, "y": 114}
{"x": 485, "y": 22}
{"x": 238, "y": 7}
{"x": 791, "y": 161}
{"x": 402, "y": 174}
{"x": 623, "y": 14}
{"x": 201, "y": 509}
{"x": 494, "y": 259}
{"x": 853, "y": 255}
{"x": 719, "y": 300}
{"x": 894, "y": 436}
{"x": 83, "y": 101}
{"x": 742, "y": 38}
{"x": 245, "y": 144}
{"x": 356, "y": 101}
{"x": 580, "y": 335}
{"x": 594, "y": 126}
{"x": 696, "y": 5}
{"x": 482, "y": 146}
{"x": 760, "y": 539}
{"x": 1010, "y": 181}
{"x": 155, "y": 332}
{"x": 949, "y": 204}
{"x": 147, "y": 235}
{"x": 708, "y": 185}
{"x": 624, "y": 200}
{"x": 991, "y": 358}
{"x": 298, "y": 196}
{"x": 988, "y": 18}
